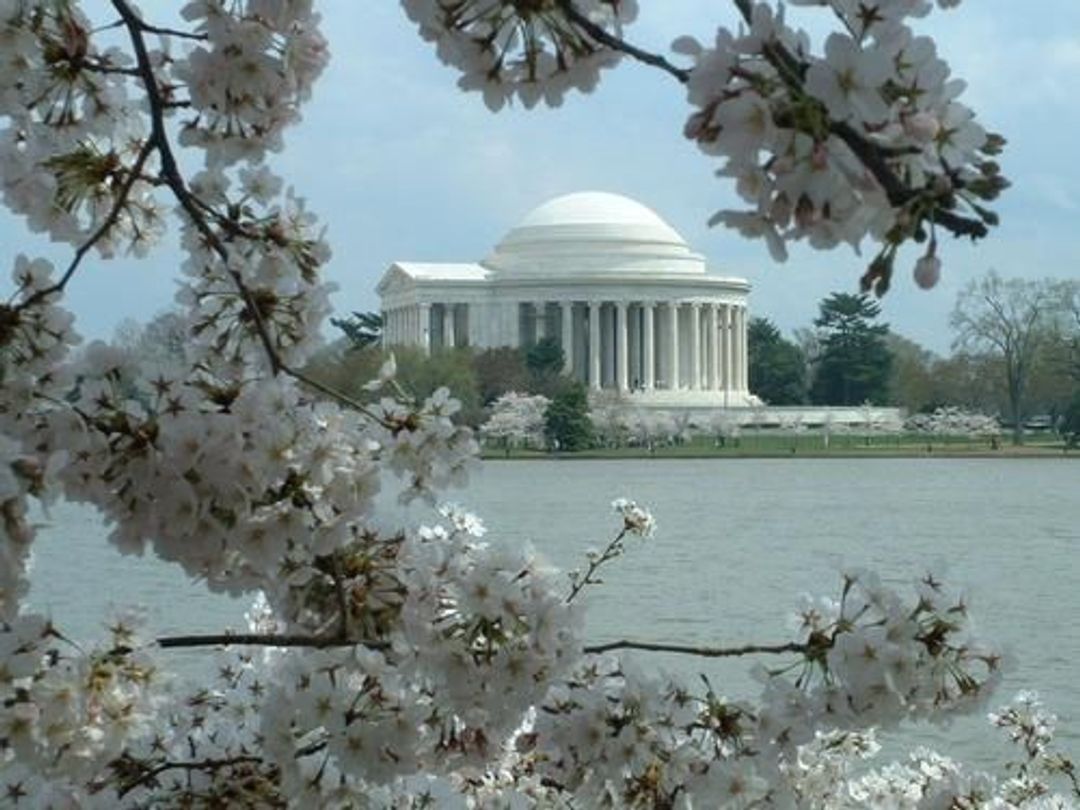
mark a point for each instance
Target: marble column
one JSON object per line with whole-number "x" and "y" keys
{"x": 673, "y": 346}
{"x": 607, "y": 341}
{"x": 594, "y": 345}
{"x": 513, "y": 324}
{"x": 622, "y": 337}
{"x": 567, "y": 314}
{"x": 425, "y": 328}
{"x": 695, "y": 346}
{"x": 714, "y": 348}
{"x": 744, "y": 360}
{"x": 540, "y": 309}
{"x": 448, "y": 326}
{"x": 649, "y": 349}
{"x": 726, "y": 335}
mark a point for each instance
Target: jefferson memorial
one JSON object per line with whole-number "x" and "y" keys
{"x": 631, "y": 305}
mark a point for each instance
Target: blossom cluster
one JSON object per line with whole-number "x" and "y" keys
{"x": 865, "y": 138}
{"x": 390, "y": 663}
{"x": 953, "y": 421}
{"x": 516, "y": 419}
{"x": 868, "y": 139}
{"x": 531, "y": 49}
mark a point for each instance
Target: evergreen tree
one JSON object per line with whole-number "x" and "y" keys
{"x": 566, "y": 422}
{"x": 545, "y": 360}
{"x": 362, "y": 329}
{"x": 777, "y": 366}
{"x": 854, "y": 365}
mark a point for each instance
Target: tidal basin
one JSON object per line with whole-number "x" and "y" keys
{"x": 737, "y": 541}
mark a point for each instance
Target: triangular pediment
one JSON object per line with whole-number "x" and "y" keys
{"x": 395, "y": 280}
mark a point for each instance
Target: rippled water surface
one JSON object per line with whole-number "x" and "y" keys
{"x": 736, "y": 541}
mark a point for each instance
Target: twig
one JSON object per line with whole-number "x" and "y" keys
{"x": 339, "y": 591}
{"x": 608, "y": 553}
{"x": 267, "y": 640}
{"x": 604, "y": 37}
{"x": 134, "y": 174}
{"x": 201, "y": 765}
{"x": 171, "y": 32}
{"x": 701, "y": 652}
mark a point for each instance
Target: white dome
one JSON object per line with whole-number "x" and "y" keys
{"x": 602, "y": 209}
{"x": 593, "y": 232}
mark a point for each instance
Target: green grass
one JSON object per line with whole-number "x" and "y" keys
{"x": 813, "y": 446}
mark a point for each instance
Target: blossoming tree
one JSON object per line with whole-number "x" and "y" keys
{"x": 398, "y": 668}
{"x": 516, "y": 419}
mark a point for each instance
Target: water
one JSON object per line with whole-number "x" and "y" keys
{"x": 737, "y": 540}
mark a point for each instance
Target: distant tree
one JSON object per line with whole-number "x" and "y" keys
{"x": 610, "y": 416}
{"x": 544, "y": 360}
{"x": 967, "y": 381}
{"x": 420, "y": 375}
{"x": 777, "y": 366}
{"x": 566, "y": 423}
{"x": 362, "y": 329}
{"x": 1011, "y": 319}
{"x": 1070, "y": 422}
{"x": 498, "y": 371}
{"x": 160, "y": 340}
{"x": 1070, "y": 322}
{"x": 516, "y": 419}
{"x": 854, "y": 362}
{"x": 346, "y": 369}
{"x": 912, "y": 382}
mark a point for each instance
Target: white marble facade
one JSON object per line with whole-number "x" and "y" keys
{"x": 631, "y": 305}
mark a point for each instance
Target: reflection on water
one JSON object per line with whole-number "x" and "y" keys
{"x": 737, "y": 539}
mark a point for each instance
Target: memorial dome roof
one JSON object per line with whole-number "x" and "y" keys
{"x": 593, "y": 232}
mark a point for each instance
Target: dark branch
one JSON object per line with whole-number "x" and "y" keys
{"x": 134, "y": 173}
{"x": 267, "y": 640}
{"x": 605, "y": 37}
{"x": 871, "y": 155}
{"x": 200, "y": 765}
{"x": 172, "y": 177}
{"x": 701, "y": 652}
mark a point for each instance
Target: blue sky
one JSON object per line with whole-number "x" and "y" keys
{"x": 401, "y": 165}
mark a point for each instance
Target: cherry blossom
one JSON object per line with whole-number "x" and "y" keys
{"x": 536, "y": 49}
{"x": 430, "y": 662}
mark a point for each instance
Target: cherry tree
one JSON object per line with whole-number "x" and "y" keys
{"x": 408, "y": 667}
{"x": 949, "y": 421}
{"x": 516, "y": 419}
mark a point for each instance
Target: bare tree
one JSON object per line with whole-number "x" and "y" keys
{"x": 1011, "y": 319}
{"x": 1070, "y": 327}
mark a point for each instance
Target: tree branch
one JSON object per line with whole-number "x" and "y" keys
{"x": 268, "y": 640}
{"x": 610, "y": 553}
{"x": 200, "y": 765}
{"x": 170, "y": 173}
{"x": 605, "y": 37}
{"x": 106, "y": 225}
{"x": 701, "y": 652}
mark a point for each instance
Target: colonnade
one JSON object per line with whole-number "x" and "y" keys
{"x": 427, "y": 326}
{"x": 651, "y": 345}
{"x": 624, "y": 345}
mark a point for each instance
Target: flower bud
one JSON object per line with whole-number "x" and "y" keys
{"x": 927, "y": 271}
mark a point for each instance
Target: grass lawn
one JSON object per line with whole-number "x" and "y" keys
{"x": 813, "y": 446}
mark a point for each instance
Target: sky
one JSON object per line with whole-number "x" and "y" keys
{"x": 401, "y": 165}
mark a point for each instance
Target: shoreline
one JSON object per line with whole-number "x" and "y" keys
{"x": 708, "y": 453}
